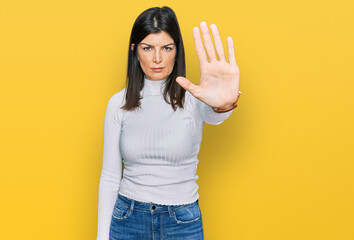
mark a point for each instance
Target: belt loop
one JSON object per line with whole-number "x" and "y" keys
{"x": 170, "y": 211}
{"x": 131, "y": 206}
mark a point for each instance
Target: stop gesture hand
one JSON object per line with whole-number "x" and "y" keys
{"x": 219, "y": 79}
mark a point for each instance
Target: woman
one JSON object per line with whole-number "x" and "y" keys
{"x": 154, "y": 126}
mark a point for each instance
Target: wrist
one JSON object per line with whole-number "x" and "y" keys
{"x": 227, "y": 107}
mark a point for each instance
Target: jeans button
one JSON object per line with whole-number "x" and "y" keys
{"x": 153, "y": 207}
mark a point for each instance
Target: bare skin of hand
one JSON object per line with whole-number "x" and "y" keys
{"x": 219, "y": 79}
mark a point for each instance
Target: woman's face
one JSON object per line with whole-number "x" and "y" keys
{"x": 156, "y": 54}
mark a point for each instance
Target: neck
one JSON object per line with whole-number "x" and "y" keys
{"x": 153, "y": 86}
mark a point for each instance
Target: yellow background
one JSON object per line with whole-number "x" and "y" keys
{"x": 281, "y": 167}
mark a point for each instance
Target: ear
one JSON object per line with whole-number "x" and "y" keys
{"x": 132, "y": 48}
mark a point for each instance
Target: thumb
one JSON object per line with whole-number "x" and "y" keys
{"x": 186, "y": 84}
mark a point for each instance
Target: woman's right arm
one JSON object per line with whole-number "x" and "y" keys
{"x": 111, "y": 167}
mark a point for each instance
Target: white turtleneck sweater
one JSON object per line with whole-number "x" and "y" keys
{"x": 159, "y": 149}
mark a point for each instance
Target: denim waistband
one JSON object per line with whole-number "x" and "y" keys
{"x": 149, "y": 207}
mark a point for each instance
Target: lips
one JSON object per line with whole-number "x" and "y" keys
{"x": 157, "y": 69}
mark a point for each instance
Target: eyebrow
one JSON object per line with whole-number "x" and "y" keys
{"x": 163, "y": 46}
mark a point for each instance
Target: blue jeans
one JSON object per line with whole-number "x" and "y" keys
{"x": 136, "y": 220}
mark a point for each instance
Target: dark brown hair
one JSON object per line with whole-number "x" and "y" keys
{"x": 155, "y": 20}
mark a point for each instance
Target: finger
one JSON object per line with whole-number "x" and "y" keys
{"x": 208, "y": 44}
{"x": 230, "y": 46}
{"x": 188, "y": 85}
{"x": 199, "y": 46}
{"x": 218, "y": 43}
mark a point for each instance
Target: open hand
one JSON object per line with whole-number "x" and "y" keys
{"x": 219, "y": 79}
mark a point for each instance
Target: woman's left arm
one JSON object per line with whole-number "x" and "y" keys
{"x": 219, "y": 80}
{"x": 207, "y": 114}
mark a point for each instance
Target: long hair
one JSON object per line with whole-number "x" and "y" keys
{"x": 155, "y": 20}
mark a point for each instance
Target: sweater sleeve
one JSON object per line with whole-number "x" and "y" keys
{"x": 206, "y": 112}
{"x": 111, "y": 168}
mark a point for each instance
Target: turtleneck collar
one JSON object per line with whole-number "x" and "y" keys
{"x": 153, "y": 87}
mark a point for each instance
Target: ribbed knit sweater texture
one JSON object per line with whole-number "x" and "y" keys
{"x": 158, "y": 147}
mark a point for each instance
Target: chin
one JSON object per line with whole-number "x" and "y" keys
{"x": 158, "y": 76}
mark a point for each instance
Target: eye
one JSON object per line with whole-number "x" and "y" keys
{"x": 147, "y": 48}
{"x": 168, "y": 48}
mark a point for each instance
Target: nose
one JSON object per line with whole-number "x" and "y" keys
{"x": 157, "y": 57}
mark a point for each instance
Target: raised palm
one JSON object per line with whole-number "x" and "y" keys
{"x": 219, "y": 79}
